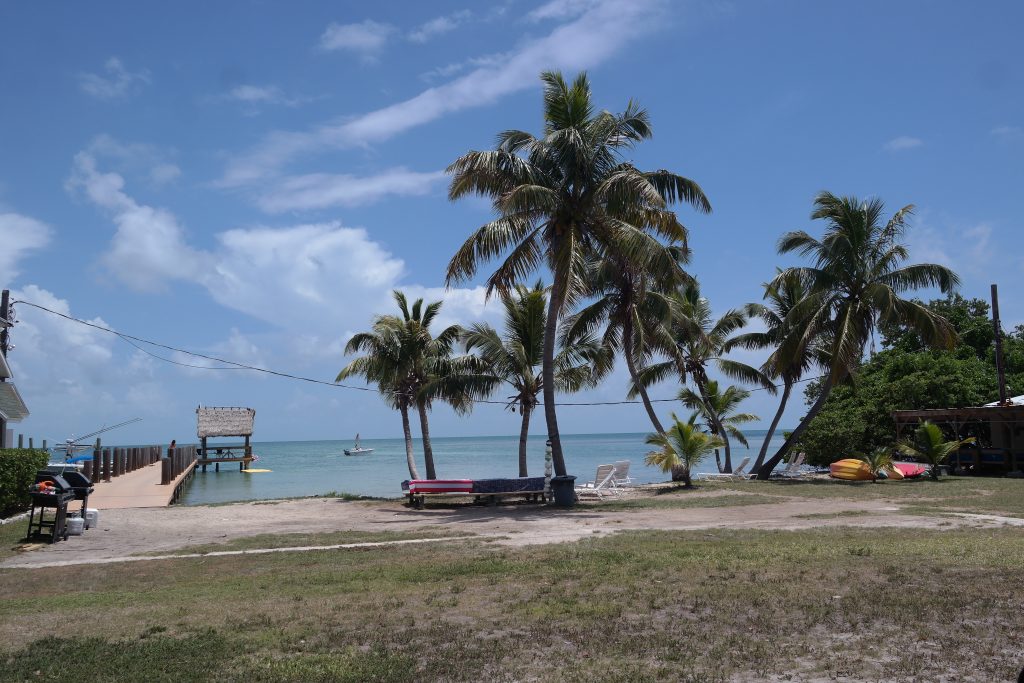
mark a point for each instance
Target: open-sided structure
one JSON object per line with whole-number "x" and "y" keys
{"x": 999, "y": 430}
{"x": 224, "y": 422}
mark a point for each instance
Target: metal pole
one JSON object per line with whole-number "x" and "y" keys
{"x": 5, "y": 309}
{"x": 1000, "y": 371}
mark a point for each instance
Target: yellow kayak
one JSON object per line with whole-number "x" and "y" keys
{"x": 850, "y": 469}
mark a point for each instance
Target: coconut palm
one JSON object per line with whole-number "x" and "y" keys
{"x": 404, "y": 359}
{"x": 681, "y": 448}
{"x": 562, "y": 197}
{"x": 855, "y": 282}
{"x": 781, "y": 297}
{"x": 630, "y": 300}
{"x": 929, "y": 445}
{"x": 721, "y": 404}
{"x": 515, "y": 357}
{"x": 693, "y": 340}
{"x": 878, "y": 461}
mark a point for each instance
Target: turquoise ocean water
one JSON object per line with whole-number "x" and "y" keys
{"x": 306, "y": 468}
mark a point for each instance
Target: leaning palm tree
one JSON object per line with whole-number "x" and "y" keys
{"x": 515, "y": 357}
{"x": 855, "y": 281}
{"x": 781, "y": 297}
{"x": 721, "y": 404}
{"x": 630, "y": 300}
{"x": 562, "y": 197}
{"x": 929, "y": 445}
{"x": 411, "y": 362}
{"x": 681, "y": 448}
{"x": 694, "y": 340}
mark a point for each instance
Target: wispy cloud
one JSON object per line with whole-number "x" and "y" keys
{"x": 366, "y": 38}
{"x": 604, "y": 28}
{"x": 137, "y": 158}
{"x": 901, "y": 143}
{"x": 115, "y": 83}
{"x": 323, "y": 190}
{"x": 1008, "y": 133}
{"x": 19, "y": 235}
{"x": 439, "y": 26}
{"x": 256, "y": 96}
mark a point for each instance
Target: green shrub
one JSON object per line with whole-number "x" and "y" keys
{"x": 18, "y": 467}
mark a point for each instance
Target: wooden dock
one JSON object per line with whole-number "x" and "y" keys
{"x": 139, "y": 489}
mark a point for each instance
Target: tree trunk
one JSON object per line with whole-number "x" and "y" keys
{"x": 523, "y": 433}
{"x": 716, "y": 427}
{"x": 766, "y": 470}
{"x": 548, "y": 374}
{"x": 627, "y": 352}
{"x": 771, "y": 429}
{"x": 428, "y": 452}
{"x": 410, "y": 458}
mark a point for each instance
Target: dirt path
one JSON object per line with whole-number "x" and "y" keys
{"x": 127, "y": 533}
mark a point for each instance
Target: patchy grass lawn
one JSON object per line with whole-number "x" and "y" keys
{"x": 637, "y": 606}
{"x": 675, "y": 499}
{"x": 311, "y": 539}
{"x": 983, "y": 495}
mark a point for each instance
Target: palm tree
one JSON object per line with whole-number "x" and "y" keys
{"x": 782, "y": 296}
{"x": 681, "y": 448}
{"x": 563, "y": 197}
{"x": 692, "y": 340}
{"x": 515, "y": 357}
{"x": 631, "y": 299}
{"x": 721, "y": 404}
{"x": 928, "y": 444}
{"x": 404, "y": 359}
{"x": 855, "y": 283}
{"x": 877, "y": 461}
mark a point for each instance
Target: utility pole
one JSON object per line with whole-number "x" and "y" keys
{"x": 5, "y": 320}
{"x": 1000, "y": 371}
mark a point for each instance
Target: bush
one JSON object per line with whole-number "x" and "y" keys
{"x": 18, "y": 467}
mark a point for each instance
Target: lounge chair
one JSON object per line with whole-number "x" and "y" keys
{"x": 603, "y": 483}
{"x": 736, "y": 474}
{"x": 622, "y": 473}
{"x": 793, "y": 468}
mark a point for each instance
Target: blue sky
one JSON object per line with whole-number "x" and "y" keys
{"x": 251, "y": 179}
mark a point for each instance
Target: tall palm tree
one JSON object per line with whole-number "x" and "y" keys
{"x": 564, "y": 196}
{"x": 403, "y": 358}
{"x": 631, "y": 299}
{"x": 721, "y": 404}
{"x": 781, "y": 297}
{"x": 681, "y": 448}
{"x": 515, "y": 357}
{"x": 857, "y": 275}
{"x": 694, "y": 340}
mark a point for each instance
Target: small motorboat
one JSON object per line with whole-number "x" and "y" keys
{"x": 357, "y": 449}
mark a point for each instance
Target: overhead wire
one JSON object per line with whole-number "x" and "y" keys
{"x": 235, "y": 365}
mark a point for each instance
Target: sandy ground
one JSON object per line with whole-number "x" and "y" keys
{"x": 126, "y": 533}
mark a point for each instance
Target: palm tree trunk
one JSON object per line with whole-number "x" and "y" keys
{"x": 428, "y": 452}
{"x": 523, "y": 433}
{"x": 716, "y": 426}
{"x": 548, "y": 373}
{"x": 766, "y": 470}
{"x": 410, "y": 457}
{"x": 774, "y": 425}
{"x": 627, "y": 343}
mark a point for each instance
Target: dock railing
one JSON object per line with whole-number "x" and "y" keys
{"x": 177, "y": 461}
{"x": 107, "y": 463}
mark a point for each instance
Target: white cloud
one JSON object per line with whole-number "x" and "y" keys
{"x": 164, "y": 173}
{"x": 561, "y": 9}
{"x": 366, "y": 38}
{"x": 149, "y": 246}
{"x": 116, "y": 83}
{"x": 264, "y": 94}
{"x": 323, "y": 190}
{"x": 149, "y": 161}
{"x": 439, "y": 26}
{"x": 602, "y": 30}
{"x": 1008, "y": 133}
{"x": 19, "y": 235}
{"x": 901, "y": 143}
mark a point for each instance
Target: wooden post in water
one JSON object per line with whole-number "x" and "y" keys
{"x": 44, "y": 444}
{"x": 21, "y": 440}
{"x": 30, "y": 445}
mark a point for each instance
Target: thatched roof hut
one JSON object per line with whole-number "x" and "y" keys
{"x": 224, "y": 422}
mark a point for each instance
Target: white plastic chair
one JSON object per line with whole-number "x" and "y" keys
{"x": 604, "y": 482}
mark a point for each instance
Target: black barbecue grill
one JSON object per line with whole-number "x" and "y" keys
{"x": 80, "y": 484}
{"x": 56, "y": 497}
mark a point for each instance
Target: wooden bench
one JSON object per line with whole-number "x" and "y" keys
{"x": 482, "y": 490}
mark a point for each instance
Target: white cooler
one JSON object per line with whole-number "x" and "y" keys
{"x": 92, "y": 516}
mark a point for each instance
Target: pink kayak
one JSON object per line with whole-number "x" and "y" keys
{"x": 910, "y": 470}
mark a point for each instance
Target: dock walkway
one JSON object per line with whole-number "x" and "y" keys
{"x": 138, "y": 489}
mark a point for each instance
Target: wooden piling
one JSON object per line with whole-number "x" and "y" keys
{"x": 106, "y": 464}
{"x": 87, "y": 469}
{"x": 30, "y": 445}
{"x": 21, "y": 440}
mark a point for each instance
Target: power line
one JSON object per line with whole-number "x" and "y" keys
{"x": 234, "y": 365}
